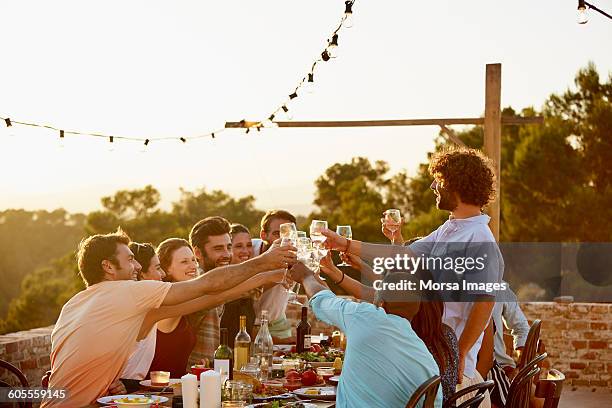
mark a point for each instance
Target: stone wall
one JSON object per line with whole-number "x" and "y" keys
{"x": 578, "y": 339}
{"x": 29, "y": 351}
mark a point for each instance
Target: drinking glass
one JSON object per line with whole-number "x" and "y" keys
{"x": 344, "y": 231}
{"x": 316, "y": 228}
{"x": 393, "y": 216}
{"x": 288, "y": 230}
{"x": 302, "y": 234}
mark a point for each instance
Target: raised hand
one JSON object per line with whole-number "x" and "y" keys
{"x": 279, "y": 257}
{"x": 334, "y": 241}
{"x": 328, "y": 267}
{"x": 298, "y": 272}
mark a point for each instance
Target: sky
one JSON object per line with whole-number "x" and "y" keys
{"x": 150, "y": 69}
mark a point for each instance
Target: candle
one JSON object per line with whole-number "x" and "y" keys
{"x": 210, "y": 390}
{"x": 189, "y": 386}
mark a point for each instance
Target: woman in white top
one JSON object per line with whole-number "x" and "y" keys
{"x": 139, "y": 362}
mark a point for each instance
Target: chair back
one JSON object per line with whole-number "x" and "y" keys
{"x": 23, "y": 381}
{"x": 429, "y": 390}
{"x": 550, "y": 388}
{"x": 475, "y": 400}
{"x": 520, "y": 388}
{"x": 531, "y": 344}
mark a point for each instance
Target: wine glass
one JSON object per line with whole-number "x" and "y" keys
{"x": 394, "y": 217}
{"x": 316, "y": 235}
{"x": 344, "y": 231}
{"x": 288, "y": 230}
{"x": 288, "y": 233}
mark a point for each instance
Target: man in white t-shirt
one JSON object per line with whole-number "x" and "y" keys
{"x": 98, "y": 327}
{"x": 464, "y": 183}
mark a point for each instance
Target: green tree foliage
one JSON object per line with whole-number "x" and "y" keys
{"x": 29, "y": 240}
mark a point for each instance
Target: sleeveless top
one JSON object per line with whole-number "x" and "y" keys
{"x": 172, "y": 349}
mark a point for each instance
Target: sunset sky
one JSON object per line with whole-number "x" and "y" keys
{"x": 150, "y": 69}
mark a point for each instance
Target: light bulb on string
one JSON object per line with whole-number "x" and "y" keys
{"x": 61, "y": 139}
{"x": 583, "y": 16}
{"x": 144, "y": 146}
{"x": 308, "y": 84}
{"x": 332, "y": 48}
{"x": 348, "y": 14}
{"x": 288, "y": 113}
{"x": 111, "y": 147}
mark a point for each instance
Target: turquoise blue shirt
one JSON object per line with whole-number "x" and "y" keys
{"x": 385, "y": 360}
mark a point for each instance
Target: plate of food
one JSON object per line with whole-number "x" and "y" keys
{"x": 270, "y": 390}
{"x": 319, "y": 393}
{"x": 334, "y": 380}
{"x": 171, "y": 382}
{"x": 132, "y": 400}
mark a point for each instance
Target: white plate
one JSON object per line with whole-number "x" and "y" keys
{"x": 326, "y": 393}
{"x": 147, "y": 383}
{"x": 111, "y": 398}
{"x": 335, "y": 379}
{"x": 263, "y": 404}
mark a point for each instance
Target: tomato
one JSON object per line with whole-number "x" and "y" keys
{"x": 309, "y": 377}
{"x": 292, "y": 375}
{"x": 294, "y": 349}
{"x": 315, "y": 348}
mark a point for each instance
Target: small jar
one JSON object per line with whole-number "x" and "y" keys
{"x": 278, "y": 371}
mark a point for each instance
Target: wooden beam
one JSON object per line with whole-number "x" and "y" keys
{"x": 506, "y": 120}
{"x": 492, "y": 136}
{"x": 452, "y": 136}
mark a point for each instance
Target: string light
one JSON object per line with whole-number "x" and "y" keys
{"x": 348, "y": 14}
{"x": 11, "y": 123}
{"x": 332, "y": 49}
{"x": 61, "y": 138}
{"x": 583, "y": 16}
{"x": 306, "y": 85}
{"x": 583, "y": 13}
{"x": 111, "y": 139}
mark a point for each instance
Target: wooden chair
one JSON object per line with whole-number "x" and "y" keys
{"x": 520, "y": 388}
{"x": 474, "y": 401}
{"x": 531, "y": 344}
{"x": 23, "y": 381}
{"x": 550, "y": 388}
{"x": 429, "y": 390}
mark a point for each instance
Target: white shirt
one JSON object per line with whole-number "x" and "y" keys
{"x": 141, "y": 358}
{"x": 274, "y": 299}
{"x": 510, "y": 315}
{"x": 456, "y": 314}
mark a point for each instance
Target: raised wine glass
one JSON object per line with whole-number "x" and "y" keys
{"x": 344, "y": 231}
{"x": 393, "y": 220}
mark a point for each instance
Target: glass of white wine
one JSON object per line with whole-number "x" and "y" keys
{"x": 393, "y": 219}
{"x": 316, "y": 236}
{"x": 344, "y": 231}
{"x": 288, "y": 234}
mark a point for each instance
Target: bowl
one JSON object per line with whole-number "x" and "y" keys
{"x": 199, "y": 369}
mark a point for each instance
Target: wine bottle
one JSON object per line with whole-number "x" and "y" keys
{"x": 242, "y": 345}
{"x": 262, "y": 348}
{"x": 303, "y": 332}
{"x": 224, "y": 360}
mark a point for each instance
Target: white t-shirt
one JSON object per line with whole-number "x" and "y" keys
{"x": 473, "y": 229}
{"x": 141, "y": 358}
{"x": 274, "y": 300}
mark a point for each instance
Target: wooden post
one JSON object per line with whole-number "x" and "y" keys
{"x": 492, "y": 135}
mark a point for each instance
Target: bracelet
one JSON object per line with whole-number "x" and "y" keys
{"x": 340, "y": 281}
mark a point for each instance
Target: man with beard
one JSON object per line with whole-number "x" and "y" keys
{"x": 212, "y": 246}
{"x": 464, "y": 183}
